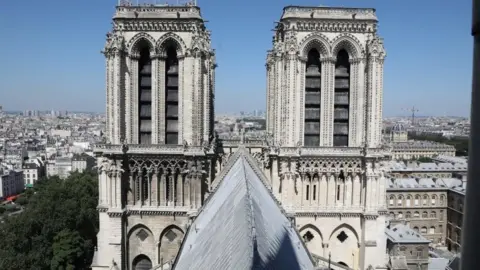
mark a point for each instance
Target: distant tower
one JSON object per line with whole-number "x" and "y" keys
{"x": 324, "y": 114}
{"x": 399, "y": 133}
{"x": 158, "y": 165}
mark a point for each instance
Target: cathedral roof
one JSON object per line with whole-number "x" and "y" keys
{"x": 241, "y": 226}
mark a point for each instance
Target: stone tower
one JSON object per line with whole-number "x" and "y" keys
{"x": 324, "y": 113}
{"x": 156, "y": 166}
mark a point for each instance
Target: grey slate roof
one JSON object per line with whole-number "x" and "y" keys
{"x": 242, "y": 227}
{"x": 403, "y": 234}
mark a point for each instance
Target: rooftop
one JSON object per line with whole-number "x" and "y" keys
{"x": 241, "y": 226}
{"x": 403, "y": 234}
{"x": 329, "y": 13}
{"x": 411, "y": 145}
{"x": 423, "y": 183}
{"x": 157, "y": 12}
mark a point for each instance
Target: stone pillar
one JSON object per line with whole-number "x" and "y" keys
{"x": 270, "y": 96}
{"x": 148, "y": 178}
{"x": 352, "y": 108}
{"x": 197, "y": 99}
{"x": 102, "y": 190}
{"x": 134, "y": 100}
{"x": 187, "y": 195}
{"x": 180, "y": 189}
{"x": 156, "y": 97}
{"x": 131, "y": 192}
{"x": 379, "y": 103}
{"x": 170, "y": 191}
{"x": 154, "y": 182}
{"x": 331, "y": 190}
{"x": 278, "y": 134}
{"x": 361, "y": 103}
{"x": 141, "y": 186}
{"x": 357, "y": 190}
{"x": 206, "y": 99}
{"x": 181, "y": 94}
{"x": 291, "y": 100}
{"x": 109, "y": 97}
{"x": 160, "y": 94}
{"x": 327, "y": 99}
{"x": 302, "y": 61}
{"x": 323, "y": 198}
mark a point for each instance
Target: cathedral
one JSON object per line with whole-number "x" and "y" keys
{"x": 174, "y": 196}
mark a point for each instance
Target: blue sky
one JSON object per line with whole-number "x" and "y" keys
{"x": 50, "y": 52}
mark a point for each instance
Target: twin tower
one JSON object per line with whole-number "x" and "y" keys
{"x": 321, "y": 155}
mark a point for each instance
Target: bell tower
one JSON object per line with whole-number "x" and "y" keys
{"x": 157, "y": 165}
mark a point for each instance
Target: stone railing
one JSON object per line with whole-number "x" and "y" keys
{"x": 331, "y": 151}
{"x": 150, "y": 149}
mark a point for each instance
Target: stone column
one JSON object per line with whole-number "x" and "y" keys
{"x": 323, "y": 190}
{"x": 270, "y": 96}
{"x": 134, "y": 100}
{"x": 171, "y": 188}
{"x": 206, "y": 99}
{"x": 102, "y": 176}
{"x": 180, "y": 189}
{"x": 141, "y": 189}
{"x": 187, "y": 195}
{"x": 149, "y": 187}
{"x": 197, "y": 99}
{"x": 156, "y": 115}
{"x": 331, "y": 190}
{"x": 301, "y": 64}
{"x": 379, "y": 103}
{"x": 131, "y": 194}
{"x": 356, "y": 190}
{"x": 352, "y": 107}
{"x": 348, "y": 191}
{"x": 361, "y": 105}
{"x": 154, "y": 182}
{"x": 160, "y": 94}
{"x": 109, "y": 97}
{"x": 278, "y": 134}
{"x": 181, "y": 94}
{"x": 326, "y": 102}
{"x": 290, "y": 102}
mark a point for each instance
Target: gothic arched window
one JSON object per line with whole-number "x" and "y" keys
{"x": 171, "y": 96}
{"x": 313, "y": 84}
{"x": 145, "y": 96}
{"x": 342, "y": 98}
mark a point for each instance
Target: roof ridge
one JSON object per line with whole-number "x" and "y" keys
{"x": 249, "y": 208}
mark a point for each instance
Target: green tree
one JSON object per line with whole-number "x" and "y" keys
{"x": 67, "y": 250}
{"x": 58, "y": 227}
{"x": 22, "y": 200}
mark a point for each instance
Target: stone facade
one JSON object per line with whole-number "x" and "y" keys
{"x": 324, "y": 112}
{"x": 456, "y": 200}
{"x": 157, "y": 166}
{"x": 407, "y": 249}
{"x": 425, "y": 210}
{"x": 161, "y": 158}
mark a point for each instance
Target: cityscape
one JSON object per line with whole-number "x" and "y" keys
{"x": 319, "y": 178}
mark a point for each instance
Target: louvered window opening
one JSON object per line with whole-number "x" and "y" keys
{"x": 341, "y": 101}
{"x": 313, "y": 85}
{"x": 145, "y": 97}
{"x": 171, "y": 97}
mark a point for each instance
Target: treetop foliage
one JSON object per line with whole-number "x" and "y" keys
{"x": 58, "y": 228}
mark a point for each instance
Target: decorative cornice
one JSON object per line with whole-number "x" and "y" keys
{"x": 156, "y": 212}
{"x": 331, "y": 59}
{"x": 327, "y": 214}
{"x": 336, "y": 26}
{"x": 158, "y": 25}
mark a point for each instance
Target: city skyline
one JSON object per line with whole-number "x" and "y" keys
{"x": 68, "y": 73}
